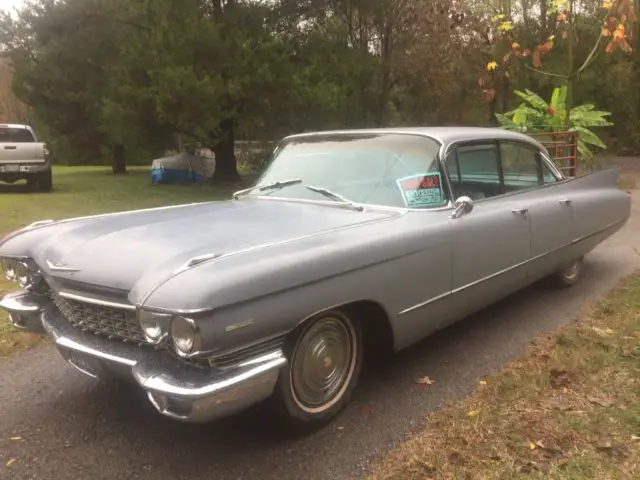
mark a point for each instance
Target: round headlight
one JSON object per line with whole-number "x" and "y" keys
{"x": 22, "y": 274}
{"x": 9, "y": 266}
{"x": 154, "y": 326}
{"x": 185, "y": 336}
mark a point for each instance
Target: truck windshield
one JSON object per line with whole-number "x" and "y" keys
{"x": 15, "y": 135}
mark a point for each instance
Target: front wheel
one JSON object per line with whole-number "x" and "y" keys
{"x": 325, "y": 359}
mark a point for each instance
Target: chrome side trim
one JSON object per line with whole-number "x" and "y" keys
{"x": 97, "y": 301}
{"x": 506, "y": 270}
{"x": 424, "y": 304}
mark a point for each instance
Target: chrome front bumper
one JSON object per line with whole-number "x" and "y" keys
{"x": 176, "y": 389}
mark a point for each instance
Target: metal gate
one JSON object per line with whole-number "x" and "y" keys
{"x": 563, "y": 148}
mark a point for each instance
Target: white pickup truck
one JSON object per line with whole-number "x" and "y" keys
{"x": 22, "y": 157}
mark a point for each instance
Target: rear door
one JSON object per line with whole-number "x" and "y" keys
{"x": 491, "y": 244}
{"x": 550, "y": 209}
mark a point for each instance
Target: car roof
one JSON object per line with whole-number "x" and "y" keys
{"x": 443, "y": 135}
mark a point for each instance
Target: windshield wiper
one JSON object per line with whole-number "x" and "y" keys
{"x": 267, "y": 186}
{"x": 335, "y": 196}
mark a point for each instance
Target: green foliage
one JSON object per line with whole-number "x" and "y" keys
{"x": 536, "y": 115}
{"x": 101, "y": 73}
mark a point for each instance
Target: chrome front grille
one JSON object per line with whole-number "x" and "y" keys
{"x": 110, "y": 322}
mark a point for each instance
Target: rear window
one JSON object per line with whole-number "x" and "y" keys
{"x": 15, "y": 135}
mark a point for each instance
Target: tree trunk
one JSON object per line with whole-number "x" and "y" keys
{"x": 544, "y": 17}
{"x": 570, "y": 62}
{"x": 224, "y": 151}
{"x": 387, "y": 51}
{"x": 119, "y": 162}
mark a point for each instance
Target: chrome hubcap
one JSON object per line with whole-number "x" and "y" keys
{"x": 323, "y": 363}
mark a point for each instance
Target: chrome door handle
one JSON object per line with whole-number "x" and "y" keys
{"x": 520, "y": 211}
{"x": 566, "y": 201}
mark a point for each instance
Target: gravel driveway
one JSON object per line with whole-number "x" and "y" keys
{"x": 55, "y": 424}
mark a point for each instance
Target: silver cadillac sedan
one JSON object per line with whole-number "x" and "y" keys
{"x": 350, "y": 242}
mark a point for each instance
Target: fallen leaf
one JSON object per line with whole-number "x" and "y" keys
{"x": 11, "y": 460}
{"x": 473, "y": 413}
{"x": 602, "y": 332}
{"x": 635, "y": 438}
{"x": 532, "y": 445}
{"x": 425, "y": 381}
{"x": 483, "y": 382}
{"x": 603, "y": 402}
{"x": 540, "y": 444}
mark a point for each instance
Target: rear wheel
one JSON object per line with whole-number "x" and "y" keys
{"x": 45, "y": 182}
{"x": 325, "y": 359}
{"x": 569, "y": 275}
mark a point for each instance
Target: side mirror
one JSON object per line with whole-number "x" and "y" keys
{"x": 463, "y": 206}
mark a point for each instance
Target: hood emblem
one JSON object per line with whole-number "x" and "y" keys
{"x": 60, "y": 267}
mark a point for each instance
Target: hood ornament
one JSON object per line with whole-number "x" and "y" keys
{"x": 60, "y": 267}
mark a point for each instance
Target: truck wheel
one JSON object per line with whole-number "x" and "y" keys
{"x": 45, "y": 182}
{"x": 324, "y": 362}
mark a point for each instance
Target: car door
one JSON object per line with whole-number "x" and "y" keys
{"x": 549, "y": 207}
{"x": 491, "y": 244}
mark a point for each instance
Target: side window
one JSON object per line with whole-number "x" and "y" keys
{"x": 547, "y": 175}
{"x": 520, "y": 166}
{"x": 477, "y": 172}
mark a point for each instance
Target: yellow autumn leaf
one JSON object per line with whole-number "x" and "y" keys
{"x": 505, "y": 26}
{"x": 492, "y": 66}
{"x": 473, "y": 413}
{"x": 483, "y": 382}
{"x": 532, "y": 445}
{"x": 515, "y": 45}
{"x": 606, "y": 3}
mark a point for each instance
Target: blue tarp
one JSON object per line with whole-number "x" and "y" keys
{"x": 182, "y": 168}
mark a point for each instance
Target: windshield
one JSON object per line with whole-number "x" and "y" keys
{"x": 396, "y": 170}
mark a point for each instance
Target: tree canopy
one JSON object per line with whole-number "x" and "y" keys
{"x": 117, "y": 80}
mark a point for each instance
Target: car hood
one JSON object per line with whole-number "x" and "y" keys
{"x": 117, "y": 251}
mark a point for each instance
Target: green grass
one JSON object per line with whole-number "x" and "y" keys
{"x": 569, "y": 409}
{"x": 79, "y": 191}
